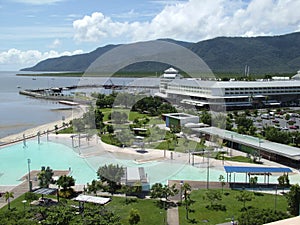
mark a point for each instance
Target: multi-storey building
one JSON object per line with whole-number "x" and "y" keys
{"x": 232, "y": 94}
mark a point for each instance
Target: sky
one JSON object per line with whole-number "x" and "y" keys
{"x": 34, "y": 30}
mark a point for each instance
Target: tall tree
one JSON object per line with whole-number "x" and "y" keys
{"x": 253, "y": 181}
{"x": 222, "y": 181}
{"x": 186, "y": 190}
{"x": 45, "y": 177}
{"x": 162, "y": 191}
{"x": 111, "y": 174}
{"x": 94, "y": 186}
{"x": 66, "y": 182}
{"x": 293, "y": 199}
{"x": 8, "y": 195}
{"x": 205, "y": 117}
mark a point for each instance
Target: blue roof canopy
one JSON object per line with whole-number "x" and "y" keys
{"x": 252, "y": 169}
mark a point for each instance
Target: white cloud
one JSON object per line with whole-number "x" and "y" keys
{"x": 16, "y": 59}
{"x": 97, "y": 26}
{"x": 38, "y": 2}
{"x": 197, "y": 20}
{"x": 56, "y": 43}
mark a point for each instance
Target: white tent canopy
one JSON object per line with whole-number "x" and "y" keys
{"x": 92, "y": 199}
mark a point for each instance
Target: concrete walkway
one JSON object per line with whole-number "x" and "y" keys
{"x": 24, "y": 186}
{"x": 173, "y": 216}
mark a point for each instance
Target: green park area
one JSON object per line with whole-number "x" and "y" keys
{"x": 204, "y": 207}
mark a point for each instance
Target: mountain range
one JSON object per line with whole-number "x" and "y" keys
{"x": 263, "y": 55}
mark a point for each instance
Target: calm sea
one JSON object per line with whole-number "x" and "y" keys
{"x": 19, "y": 112}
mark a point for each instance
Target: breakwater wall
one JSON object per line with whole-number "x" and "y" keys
{"x": 41, "y": 94}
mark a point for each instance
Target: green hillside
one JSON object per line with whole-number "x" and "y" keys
{"x": 264, "y": 55}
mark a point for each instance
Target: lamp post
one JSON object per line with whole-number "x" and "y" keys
{"x": 231, "y": 144}
{"x": 39, "y": 137}
{"x": 207, "y": 182}
{"x": 29, "y": 181}
{"x": 181, "y": 184}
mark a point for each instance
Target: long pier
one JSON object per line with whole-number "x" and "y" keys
{"x": 56, "y": 91}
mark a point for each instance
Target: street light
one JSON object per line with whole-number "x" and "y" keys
{"x": 181, "y": 184}
{"x": 29, "y": 181}
{"x": 207, "y": 182}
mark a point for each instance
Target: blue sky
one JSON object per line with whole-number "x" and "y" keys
{"x": 33, "y": 30}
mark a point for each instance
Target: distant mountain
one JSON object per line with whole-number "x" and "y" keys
{"x": 271, "y": 54}
{"x": 75, "y": 63}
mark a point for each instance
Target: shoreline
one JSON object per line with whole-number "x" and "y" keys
{"x": 43, "y": 129}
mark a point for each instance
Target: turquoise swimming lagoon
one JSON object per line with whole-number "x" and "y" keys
{"x": 13, "y": 161}
{"x": 13, "y": 164}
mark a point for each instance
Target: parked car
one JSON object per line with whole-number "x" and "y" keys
{"x": 284, "y": 128}
{"x": 294, "y": 127}
{"x": 265, "y": 116}
{"x": 275, "y": 121}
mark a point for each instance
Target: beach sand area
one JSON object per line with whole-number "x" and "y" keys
{"x": 32, "y": 132}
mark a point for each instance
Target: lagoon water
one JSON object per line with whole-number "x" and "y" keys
{"x": 19, "y": 112}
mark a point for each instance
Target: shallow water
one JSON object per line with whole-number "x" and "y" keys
{"x": 13, "y": 164}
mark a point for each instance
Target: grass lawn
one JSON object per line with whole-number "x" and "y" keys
{"x": 182, "y": 146}
{"x": 233, "y": 207}
{"x": 132, "y": 115}
{"x": 239, "y": 159}
{"x": 68, "y": 130}
{"x": 149, "y": 212}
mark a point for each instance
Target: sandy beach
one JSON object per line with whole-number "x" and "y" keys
{"x": 73, "y": 113}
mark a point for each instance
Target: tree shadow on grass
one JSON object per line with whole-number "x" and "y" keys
{"x": 165, "y": 204}
{"x": 216, "y": 207}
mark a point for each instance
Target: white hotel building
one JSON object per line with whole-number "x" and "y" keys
{"x": 230, "y": 94}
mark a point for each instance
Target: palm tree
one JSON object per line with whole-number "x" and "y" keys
{"x": 8, "y": 195}
{"x": 186, "y": 190}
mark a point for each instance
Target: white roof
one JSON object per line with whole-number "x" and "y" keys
{"x": 92, "y": 199}
{"x": 171, "y": 70}
{"x": 191, "y": 125}
{"x": 236, "y": 84}
{"x": 289, "y": 221}
{"x": 133, "y": 174}
{"x": 281, "y": 149}
{"x": 169, "y": 75}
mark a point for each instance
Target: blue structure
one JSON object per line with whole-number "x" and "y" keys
{"x": 252, "y": 170}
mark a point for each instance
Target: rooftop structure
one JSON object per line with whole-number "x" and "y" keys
{"x": 169, "y": 75}
{"x": 134, "y": 176}
{"x": 283, "y": 154}
{"x": 179, "y": 119}
{"x": 92, "y": 199}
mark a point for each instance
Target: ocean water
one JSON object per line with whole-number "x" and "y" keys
{"x": 19, "y": 112}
